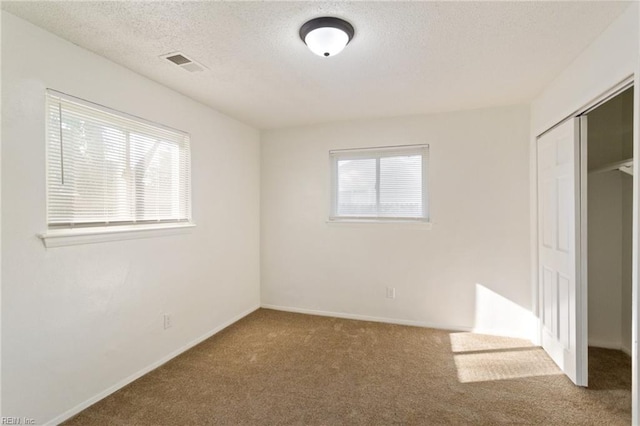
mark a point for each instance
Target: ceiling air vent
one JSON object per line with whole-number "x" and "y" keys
{"x": 182, "y": 61}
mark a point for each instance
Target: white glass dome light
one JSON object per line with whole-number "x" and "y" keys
{"x": 326, "y": 41}
{"x": 326, "y": 36}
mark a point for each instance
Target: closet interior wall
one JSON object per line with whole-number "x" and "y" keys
{"x": 609, "y": 216}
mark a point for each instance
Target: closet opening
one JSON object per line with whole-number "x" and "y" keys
{"x": 607, "y": 136}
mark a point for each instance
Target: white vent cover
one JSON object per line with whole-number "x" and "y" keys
{"x": 181, "y": 60}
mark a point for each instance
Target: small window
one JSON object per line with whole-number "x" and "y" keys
{"x": 387, "y": 183}
{"x": 108, "y": 168}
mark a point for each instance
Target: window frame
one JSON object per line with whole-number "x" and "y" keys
{"x": 377, "y": 153}
{"x": 101, "y": 231}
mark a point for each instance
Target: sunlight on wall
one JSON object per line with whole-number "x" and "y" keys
{"x": 495, "y": 314}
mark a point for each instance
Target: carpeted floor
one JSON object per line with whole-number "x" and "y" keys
{"x": 278, "y": 368}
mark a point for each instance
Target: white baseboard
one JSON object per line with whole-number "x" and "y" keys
{"x": 493, "y": 332}
{"x": 618, "y": 346}
{"x": 605, "y": 344}
{"x": 365, "y": 318}
{"x": 78, "y": 408}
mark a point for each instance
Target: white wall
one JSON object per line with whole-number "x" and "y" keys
{"x": 79, "y": 320}
{"x": 605, "y": 259}
{"x": 0, "y": 226}
{"x": 469, "y": 271}
{"x": 626, "y": 320}
{"x": 611, "y": 58}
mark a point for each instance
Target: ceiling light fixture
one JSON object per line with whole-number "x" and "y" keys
{"x": 326, "y": 36}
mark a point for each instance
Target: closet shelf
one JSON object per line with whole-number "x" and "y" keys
{"x": 625, "y": 166}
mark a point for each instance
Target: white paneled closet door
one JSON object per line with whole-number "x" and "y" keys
{"x": 558, "y": 249}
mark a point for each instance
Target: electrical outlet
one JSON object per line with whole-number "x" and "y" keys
{"x": 391, "y": 292}
{"x": 168, "y": 321}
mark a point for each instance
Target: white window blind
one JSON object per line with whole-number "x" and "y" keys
{"x": 380, "y": 183}
{"x": 105, "y": 167}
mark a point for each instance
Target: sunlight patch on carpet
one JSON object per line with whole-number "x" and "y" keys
{"x": 472, "y": 342}
{"x": 504, "y": 364}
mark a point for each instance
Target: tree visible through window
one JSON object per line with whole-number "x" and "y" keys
{"x": 380, "y": 183}
{"x": 109, "y": 168}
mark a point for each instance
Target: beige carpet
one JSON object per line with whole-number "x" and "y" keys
{"x": 277, "y": 368}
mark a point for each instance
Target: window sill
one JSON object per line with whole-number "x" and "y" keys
{"x": 416, "y": 224}
{"x": 71, "y": 237}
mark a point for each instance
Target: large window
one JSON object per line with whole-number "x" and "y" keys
{"x": 108, "y": 168}
{"x": 380, "y": 183}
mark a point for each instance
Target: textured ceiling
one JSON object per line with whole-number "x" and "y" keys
{"x": 406, "y": 57}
